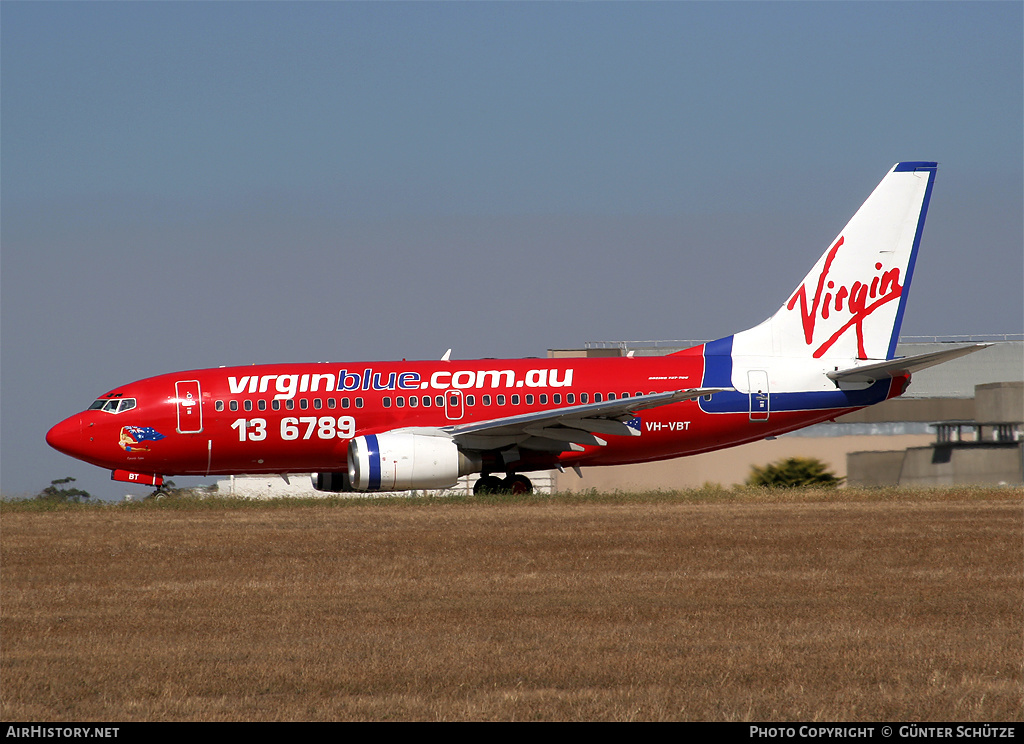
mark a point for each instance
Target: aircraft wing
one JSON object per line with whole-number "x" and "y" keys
{"x": 903, "y": 366}
{"x": 562, "y": 429}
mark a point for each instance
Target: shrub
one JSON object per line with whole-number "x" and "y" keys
{"x": 53, "y": 492}
{"x": 794, "y": 472}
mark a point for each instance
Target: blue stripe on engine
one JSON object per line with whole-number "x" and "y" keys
{"x": 373, "y": 457}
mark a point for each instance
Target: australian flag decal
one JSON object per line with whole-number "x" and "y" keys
{"x": 144, "y": 433}
{"x": 132, "y": 438}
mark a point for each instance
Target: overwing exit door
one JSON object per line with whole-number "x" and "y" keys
{"x": 453, "y": 405}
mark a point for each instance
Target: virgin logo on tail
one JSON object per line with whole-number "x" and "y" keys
{"x": 857, "y": 301}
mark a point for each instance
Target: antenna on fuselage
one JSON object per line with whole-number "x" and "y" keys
{"x": 447, "y": 356}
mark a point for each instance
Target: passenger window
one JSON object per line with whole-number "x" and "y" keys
{"x": 556, "y": 398}
{"x": 233, "y": 405}
{"x": 501, "y": 400}
{"x": 275, "y": 404}
{"x": 413, "y": 401}
{"x": 515, "y": 400}
{"x": 359, "y": 402}
{"x": 570, "y": 398}
{"x": 529, "y": 399}
{"x": 261, "y": 404}
{"x": 386, "y": 401}
{"x": 317, "y": 403}
{"x": 248, "y": 405}
{"x": 219, "y": 405}
{"x": 303, "y": 404}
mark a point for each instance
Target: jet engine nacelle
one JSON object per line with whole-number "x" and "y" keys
{"x": 400, "y": 461}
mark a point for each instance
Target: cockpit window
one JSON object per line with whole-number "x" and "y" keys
{"x": 113, "y": 405}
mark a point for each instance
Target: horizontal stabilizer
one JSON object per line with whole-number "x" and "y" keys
{"x": 903, "y": 366}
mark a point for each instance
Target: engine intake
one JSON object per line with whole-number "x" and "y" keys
{"x": 400, "y": 461}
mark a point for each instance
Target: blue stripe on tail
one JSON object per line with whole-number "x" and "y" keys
{"x": 718, "y": 373}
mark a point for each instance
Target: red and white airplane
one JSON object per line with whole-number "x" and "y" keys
{"x": 390, "y": 426}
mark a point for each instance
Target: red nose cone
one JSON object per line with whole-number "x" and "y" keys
{"x": 66, "y": 436}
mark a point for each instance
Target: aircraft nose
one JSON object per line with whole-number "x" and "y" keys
{"x": 66, "y": 436}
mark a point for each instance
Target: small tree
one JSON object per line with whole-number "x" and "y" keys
{"x": 53, "y": 492}
{"x": 794, "y": 472}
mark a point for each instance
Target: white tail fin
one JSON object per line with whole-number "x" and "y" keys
{"x": 851, "y": 304}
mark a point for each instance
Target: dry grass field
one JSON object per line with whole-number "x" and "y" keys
{"x": 829, "y": 605}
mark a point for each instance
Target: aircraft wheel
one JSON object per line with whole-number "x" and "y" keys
{"x": 517, "y": 484}
{"x": 487, "y": 485}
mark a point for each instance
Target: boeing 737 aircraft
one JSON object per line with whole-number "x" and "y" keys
{"x": 391, "y": 426}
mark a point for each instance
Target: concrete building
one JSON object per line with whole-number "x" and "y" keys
{"x": 987, "y": 449}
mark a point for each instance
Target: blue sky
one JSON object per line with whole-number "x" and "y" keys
{"x": 193, "y": 184}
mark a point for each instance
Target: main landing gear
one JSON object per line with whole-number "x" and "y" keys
{"x": 514, "y": 484}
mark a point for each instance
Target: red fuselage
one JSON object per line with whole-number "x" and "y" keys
{"x": 300, "y": 417}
